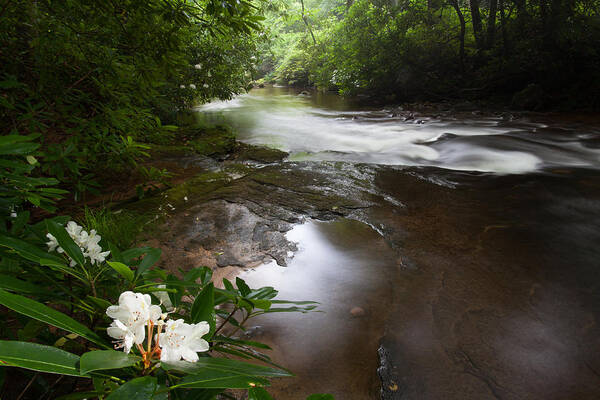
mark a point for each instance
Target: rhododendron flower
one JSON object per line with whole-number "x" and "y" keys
{"x": 181, "y": 340}
{"x": 53, "y": 243}
{"x": 198, "y": 66}
{"x": 192, "y": 86}
{"x": 181, "y": 86}
{"x": 73, "y": 229}
{"x": 132, "y": 314}
{"x": 88, "y": 243}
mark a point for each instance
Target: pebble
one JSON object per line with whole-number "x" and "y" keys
{"x": 357, "y": 312}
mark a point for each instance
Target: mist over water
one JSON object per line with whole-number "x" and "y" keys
{"x": 324, "y": 127}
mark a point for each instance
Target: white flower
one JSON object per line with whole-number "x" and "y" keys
{"x": 164, "y": 298}
{"x": 96, "y": 255}
{"x": 205, "y": 86}
{"x": 209, "y": 74}
{"x": 198, "y": 66}
{"x": 130, "y": 317}
{"x": 126, "y": 336}
{"x": 53, "y": 243}
{"x": 181, "y": 86}
{"x": 73, "y": 229}
{"x": 88, "y": 243}
{"x": 13, "y": 214}
{"x": 192, "y": 86}
{"x": 181, "y": 340}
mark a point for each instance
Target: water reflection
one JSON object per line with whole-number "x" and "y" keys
{"x": 346, "y": 266}
{"x": 327, "y": 127}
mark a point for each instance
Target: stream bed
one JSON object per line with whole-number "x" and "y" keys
{"x": 454, "y": 254}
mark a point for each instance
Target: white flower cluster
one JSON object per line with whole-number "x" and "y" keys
{"x": 135, "y": 313}
{"x": 87, "y": 242}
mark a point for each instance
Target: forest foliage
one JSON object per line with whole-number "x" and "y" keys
{"x": 529, "y": 54}
{"x": 89, "y": 80}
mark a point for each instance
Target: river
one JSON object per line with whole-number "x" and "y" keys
{"x": 457, "y": 259}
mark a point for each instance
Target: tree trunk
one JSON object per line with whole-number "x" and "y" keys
{"x": 307, "y": 24}
{"x": 461, "y": 18}
{"x": 477, "y": 28}
{"x": 491, "y": 27}
{"x": 505, "y": 43}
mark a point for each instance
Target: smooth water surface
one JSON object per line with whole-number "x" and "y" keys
{"x": 326, "y": 127}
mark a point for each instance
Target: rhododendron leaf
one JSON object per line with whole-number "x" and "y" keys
{"x": 225, "y": 365}
{"x": 242, "y": 286}
{"x": 151, "y": 257}
{"x": 35, "y": 310}
{"x": 38, "y": 357}
{"x": 203, "y": 309}
{"x": 136, "y": 389}
{"x": 258, "y": 393}
{"x": 28, "y": 251}
{"x": 122, "y": 269}
{"x": 106, "y": 359}
{"x": 216, "y": 379}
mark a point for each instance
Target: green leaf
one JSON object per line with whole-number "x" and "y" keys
{"x": 101, "y": 304}
{"x": 197, "y": 394}
{"x": 18, "y": 148}
{"x": 320, "y": 396}
{"x": 38, "y": 357}
{"x": 106, "y": 359}
{"x": 266, "y": 293}
{"x": 258, "y": 393}
{"x": 48, "y": 315}
{"x": 65, "y": 241}
{"x": 228, "y": 285}
{"x": 202, "y": 273}
{"x": 115, "y": 253}
{"x": 19, "y": 223}
{"x": 136, "y": 389}
{"x": 122, "y": 269}
{"x": 242, "y": 286}
{"x": 203, "y": 308}
{"x": 216, "y": 379}
{"x": 225, "y": 365}
{"x": 17, "y": 285}
{"x": 260, "y": 303}
{"x": 151, "y": 257}
{"x": 28, "y": 251}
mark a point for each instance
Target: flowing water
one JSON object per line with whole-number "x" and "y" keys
{"x": 474, "y": 271}
{"x": 324, "y": 127}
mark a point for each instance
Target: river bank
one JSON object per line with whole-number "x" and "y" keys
{"x": 435, "y": 282}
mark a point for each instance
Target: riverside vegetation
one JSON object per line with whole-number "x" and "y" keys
{"x": 89, "y": 90}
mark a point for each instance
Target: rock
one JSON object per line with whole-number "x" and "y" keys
{"x": 357, "y": 312}
{"x": 254, "y": 331}
{"x": 259, "y": 153}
